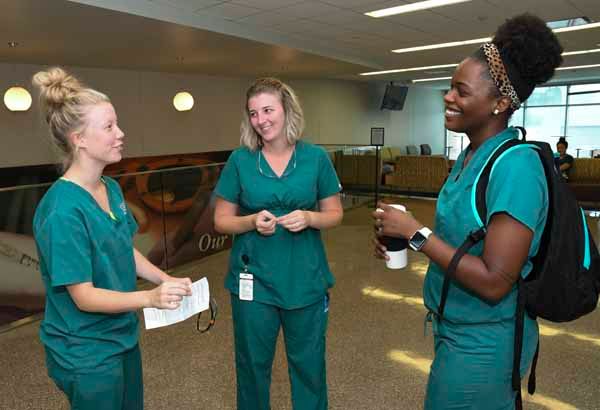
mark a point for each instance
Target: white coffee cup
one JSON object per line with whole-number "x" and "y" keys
{"x": 396, "y": 247}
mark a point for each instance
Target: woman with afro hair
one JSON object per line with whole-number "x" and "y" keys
{"x": 474, "y": 338}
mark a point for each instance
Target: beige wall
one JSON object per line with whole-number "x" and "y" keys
{"x": 337, "y": 112}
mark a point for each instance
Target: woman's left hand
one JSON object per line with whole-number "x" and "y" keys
{"x": 394, "y": 222}
{"x": 295, "y": 221}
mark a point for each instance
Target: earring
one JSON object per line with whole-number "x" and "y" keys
{"x": 496, "y": 112}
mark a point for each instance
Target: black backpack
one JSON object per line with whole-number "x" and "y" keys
{"x": 564, "y": 282}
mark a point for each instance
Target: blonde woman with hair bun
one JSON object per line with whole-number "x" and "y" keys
{"x": 276, "y": 194}
{"x": 84, "y": 231}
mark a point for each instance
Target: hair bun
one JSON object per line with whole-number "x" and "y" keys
{"x": 56, "y": 86}
{"x": 531, "y": 47}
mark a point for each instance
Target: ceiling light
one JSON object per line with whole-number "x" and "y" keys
{"x": 574, "y": 67}
{"x": 573, "y": 53}
{"x": 17, "y": 99}
{"x": 402, "y": 70}
{"x": 183, "y": 101}
{"x": 443, "y": 45}
{"x": 407, "y": 8}
{"x": 420, "y": 80}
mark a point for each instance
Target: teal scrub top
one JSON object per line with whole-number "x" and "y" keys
{"x": 78, "y": 242}
{"x": 517, "y": 187}
{"x": 290, "y": 269}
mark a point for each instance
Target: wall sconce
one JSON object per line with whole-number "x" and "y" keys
{"x": 183, "y": 101}
{"x": 17, "y": 99}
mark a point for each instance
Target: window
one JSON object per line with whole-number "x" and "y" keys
{"x": 545, "y": 123}
{"x": 547, "y": 96}
{"x": 584, "y": 94}
{"x": 552, "y": 112}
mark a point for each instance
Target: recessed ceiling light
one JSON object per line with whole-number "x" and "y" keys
{"x": 407, "y": 8}
{"x": 403, "y": 70}
{"x": 421, "y": 80}
{"x": 574, "y": 67}
{"x": 573, "y": 53}
{"x": 443, "y": 45}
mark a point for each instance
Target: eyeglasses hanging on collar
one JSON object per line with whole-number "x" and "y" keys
{"x": 287, "y": 171}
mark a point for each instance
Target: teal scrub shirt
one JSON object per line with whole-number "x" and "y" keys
{"x": 290, "y": 268}
{"x": 78, "y": 242}
{"x": 474, "y": 341}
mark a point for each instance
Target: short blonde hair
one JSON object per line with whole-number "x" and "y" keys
{"x": 294, "y": 116}
{"x": 64, "y": 102}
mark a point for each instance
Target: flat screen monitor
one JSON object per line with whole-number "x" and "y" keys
{"x": 394, "y": 97}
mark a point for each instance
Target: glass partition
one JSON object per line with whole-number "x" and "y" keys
{"x": 173, "y": 204}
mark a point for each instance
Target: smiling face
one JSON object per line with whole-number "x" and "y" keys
{"x": 561, "y": 148}
{"x": 101, "y": 139}
{"x": 267, "y": 116}
{"x": 470, "y": 102}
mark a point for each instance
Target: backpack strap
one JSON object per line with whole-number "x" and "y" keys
{"x": 518, "y": 345}
{"x": 471, "y": 240}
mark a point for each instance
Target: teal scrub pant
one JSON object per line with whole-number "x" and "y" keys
{"x": 256, "y": 327}
{"x": 117, "y": 386}
{"x": 472, "y": 368}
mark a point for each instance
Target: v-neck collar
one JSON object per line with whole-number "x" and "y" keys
{"x": 507, "y": 133}
{"x": 265, "y": 169}
{"x": 110, "y": 214}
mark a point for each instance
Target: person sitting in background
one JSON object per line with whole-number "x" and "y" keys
{"x": 563, "y": 161}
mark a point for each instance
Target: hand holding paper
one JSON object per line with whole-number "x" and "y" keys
{"x": 189, "y": 306}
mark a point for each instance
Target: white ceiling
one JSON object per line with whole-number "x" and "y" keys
{"x": 290, "y": 38}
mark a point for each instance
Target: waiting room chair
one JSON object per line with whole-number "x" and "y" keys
{"x": 412, "y": 150}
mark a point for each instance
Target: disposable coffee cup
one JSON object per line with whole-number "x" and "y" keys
{"x": 396, "y": 247}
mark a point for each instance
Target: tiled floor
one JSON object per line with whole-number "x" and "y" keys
{"x": 378, "y": 356}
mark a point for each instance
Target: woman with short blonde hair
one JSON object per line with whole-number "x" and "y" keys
{"x": 294, "y": 116}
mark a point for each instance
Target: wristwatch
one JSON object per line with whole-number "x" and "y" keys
{"x": 417, "y": 241}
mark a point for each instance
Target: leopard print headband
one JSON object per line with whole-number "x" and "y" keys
{"x": 498, "y": 72}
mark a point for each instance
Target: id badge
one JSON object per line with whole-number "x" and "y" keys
{"x": 246, "y": 288}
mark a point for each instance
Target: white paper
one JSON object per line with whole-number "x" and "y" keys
{"x": 190, "y": 305}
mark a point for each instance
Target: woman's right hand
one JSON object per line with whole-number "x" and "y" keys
{"x": 265, "y": 223}
{"x": 169, "y": 295}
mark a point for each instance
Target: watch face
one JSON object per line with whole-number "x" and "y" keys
{"x": 417, "y": 241}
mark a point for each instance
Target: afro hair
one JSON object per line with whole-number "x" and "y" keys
{"x": 531, "y": 47}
